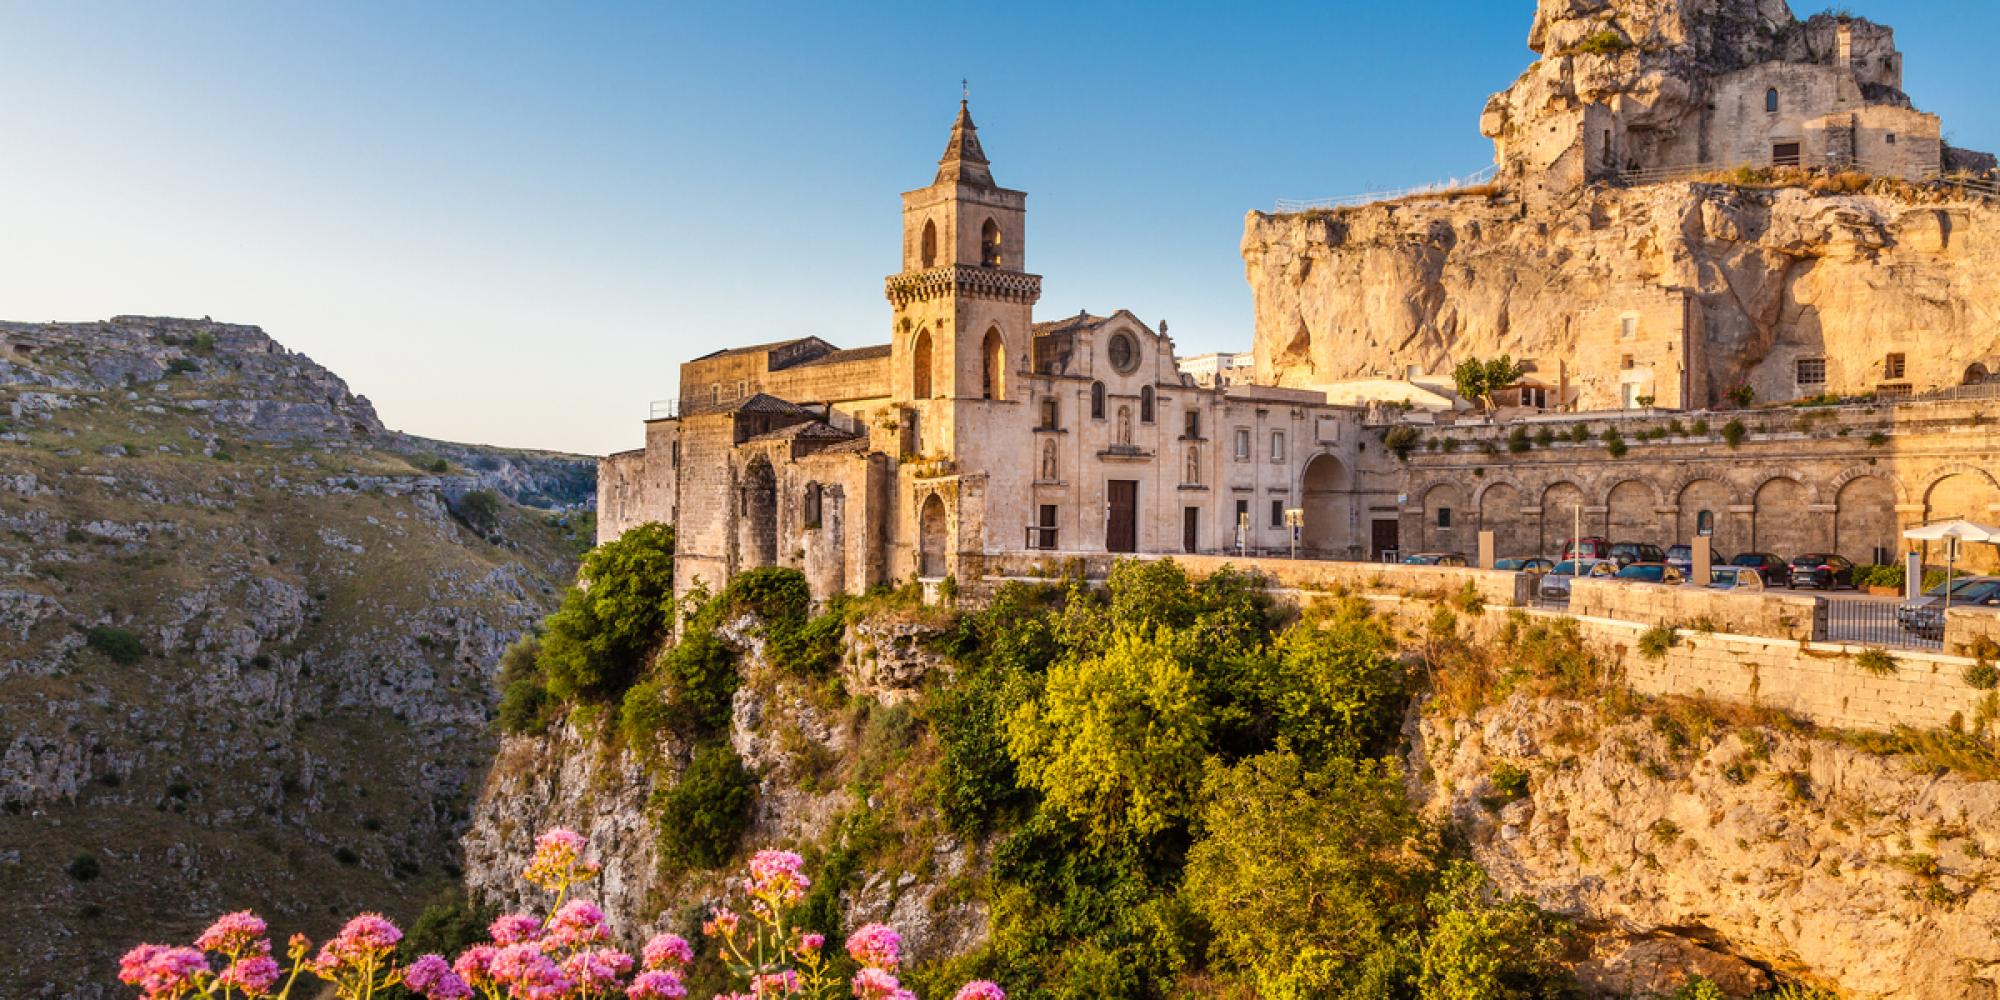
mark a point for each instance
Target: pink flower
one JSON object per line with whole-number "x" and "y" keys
{"x": 558, "y": 860}
{"x": 875, "y": 984}
{"x": 367, "y": 937}
{"x": 778, "y": 876}
{"x": 810, "y": 944}
{"x": 576, "y": 925}
{"x": 433, "y": 978}
{"x": 721, "y": 922}
{"x": 876, "y": 946}
{"x": 667, "y": 951}
{"x": 475, "y": 964}
{"x": 528, "y": 974}
{"x": 232, "y": 933}
{"x": 980, "y": 989}
{"x": 656, "y": 985}
{"x": 775, "y": 984}
{"x": 253, "y": 974}
{"x": 160, "y": 971}
{"x": 597, "y": 971}
{"x": 515, "y": 928}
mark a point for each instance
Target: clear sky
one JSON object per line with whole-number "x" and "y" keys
{"x": 510, "y": 222}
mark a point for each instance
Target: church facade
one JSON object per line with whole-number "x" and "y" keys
{"x": 978, "y": 431}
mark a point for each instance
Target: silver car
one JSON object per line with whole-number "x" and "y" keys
{"x": 1555, "y": 584}
{"x": 1925, "y": 615}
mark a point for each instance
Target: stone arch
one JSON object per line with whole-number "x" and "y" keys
{"x": 1899, "y": 489}
{"x": 1976, "y": 374}
{"x": 1097, "y": 401}
{"x": 933, "y": 538}
{"x": 920, "y": 366}
{"x": 990, "y": 247}
{"x": 1499, "y": 505}
{"x": 1146, "y": 404}
{"x": 1780, "y": 522}
{"x": 1678, "y": 491}
{"x": 1487, "y": 485}
{"x": 1630, "y": 512}
{"x": 1962, "y": 491}
{"x": 1947, "y": 471}
{"x": 1444, "y": 510}
{"x": 1698, "y": 495}
{"x": 1864, "y": 519}
{"x": 928, "y": 253}
{"x": 993, "y": 365}
{"x": 1811, "y": 489}
{"x": 759, "y": 506}
{"x": 1559, "y": 498}
{"x": 1326, "y": 491}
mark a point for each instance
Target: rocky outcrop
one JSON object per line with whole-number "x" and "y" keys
{"x": 1690, "y": 845}
{"x": 1767, "y": 276}
{"x": 245, "y": 648}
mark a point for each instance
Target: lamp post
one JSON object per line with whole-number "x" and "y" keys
{"x": 1295, "y": 519}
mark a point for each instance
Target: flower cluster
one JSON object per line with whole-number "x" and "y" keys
{"x": 568, "y": 955}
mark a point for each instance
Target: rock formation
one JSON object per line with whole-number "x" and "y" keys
{"x": 245, "y": 644}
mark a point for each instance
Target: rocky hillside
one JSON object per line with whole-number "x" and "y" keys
{"x": 1730, "y": 845}
{"x": 1773, "y": 273}
{"x": 246, "y": 638}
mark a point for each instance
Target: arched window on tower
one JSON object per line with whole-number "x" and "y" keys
{"x": 1146, "y": 404}
{"x": 1771, "y": 100}
{"x": 1097, "y": 401}
{"x": 993, "y": 367}
{"x": 920, "y": 366}
{"x": 989, "y": 244}
{"x": 929, "y": 251}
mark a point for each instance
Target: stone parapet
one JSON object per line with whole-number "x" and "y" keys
{"x": 1779, "y": 615}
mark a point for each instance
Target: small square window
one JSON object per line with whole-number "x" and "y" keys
{"x": 1625, "y": 362}
{"x": 1242, "y": 442}
{"x": 1628, "y": 328}
{"x": 1812, "y": 371}
{"x": 1894, "y": 366}
{"x": 1444, "y": 517}
{"x": 1277, "y": 513}
{"x": 1892, "y": 138}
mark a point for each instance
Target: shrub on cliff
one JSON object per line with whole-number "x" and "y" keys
{"x": 596, "y": 643}
{"x": 702, "y": 816}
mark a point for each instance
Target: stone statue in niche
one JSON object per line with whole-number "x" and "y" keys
{"x": 1125, "y": 426}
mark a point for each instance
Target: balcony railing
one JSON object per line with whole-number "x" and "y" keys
{"x": 664, "y": 409}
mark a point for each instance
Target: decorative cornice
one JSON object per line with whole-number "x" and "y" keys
{"x": 963, "y": 280}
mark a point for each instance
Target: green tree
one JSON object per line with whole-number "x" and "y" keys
{"x": 596, "y": 642}
{"x": 1304, "y": 874}
{"x": 1482, "y": 949}
{"x": 1478, "y": 380}
{"x": 1116, "y": 742}
{"x": 700, "y": 819}
{"x": 1337, "y": 688}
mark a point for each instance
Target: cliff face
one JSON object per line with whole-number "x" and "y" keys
{"x": 1688, "y": 843}
{"x": 1767, "y": 276}
{"x": 245, "y": 644}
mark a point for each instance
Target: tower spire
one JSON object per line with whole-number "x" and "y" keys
{"x": 963, "y": 160}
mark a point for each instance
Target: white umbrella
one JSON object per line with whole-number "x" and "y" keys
{"x": 1952, "y": 533}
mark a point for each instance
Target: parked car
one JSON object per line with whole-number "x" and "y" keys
{"x": 1554, "y": 585}
{"x": 1435, "y": 559}
{"x": 1532, "y": 567}
{"x": 1627, "y": 553}
{"x": 1586, "y": 548}
{"x": 1821, "y": 571}
{"x": 1734, "y": 578}
{"x": 1652, "y": 572}
{"x": 1925, "y": 615}
{"x": 1772, "y": 568}
{"x": 1681, "y": 557}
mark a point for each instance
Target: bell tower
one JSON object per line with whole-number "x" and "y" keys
{"x": 963, "y": 302}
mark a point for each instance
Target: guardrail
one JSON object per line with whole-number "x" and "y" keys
{"x": 664, "y": 409}
{"x": 1287, "y": 206}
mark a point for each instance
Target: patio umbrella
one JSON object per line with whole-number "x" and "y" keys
{"x": 1951, "y": 533}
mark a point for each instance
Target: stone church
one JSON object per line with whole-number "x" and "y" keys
{"x": 977, "y": 431}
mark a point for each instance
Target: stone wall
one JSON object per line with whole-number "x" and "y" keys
{"x": 1751, "y": 613}
{"x": 1972, "y": 632}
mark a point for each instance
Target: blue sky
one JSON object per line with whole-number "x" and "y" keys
{"x": 510, "y": 222}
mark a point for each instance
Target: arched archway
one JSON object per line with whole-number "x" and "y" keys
{"x": 1327, "y": 491}
{"x": 928, "y": 252}
{"x": 1500, "y": 513}
{"x": 1864, "y": 520}
{"x": 1444, "y": 505}
{"x": 993, "y": 365}
{"x": 1977, "y": 374}
{"x": 989, "y": 244}
{"x": 1704, "y": 505}
{"x": 920, "y": 366}
{"x": 1628, "y": 514}
{"x": 1563, "y": 509}
{"x": 759, "y": 504}
{"x": 933, "y": 538}
{"x": 1781, "y": 523}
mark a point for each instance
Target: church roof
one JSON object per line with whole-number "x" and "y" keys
{"x": 765, "y": 403}
{"x": 963, "y": 160}
{"x": 1070, "y": 324}
{"x": 814, "y": 431}
{"x": 850, "y": 354}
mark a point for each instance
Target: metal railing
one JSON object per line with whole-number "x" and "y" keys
{"x": 1287, "y": 206}
{"x": 664, "y": 409}
{"x": 1882, "y": 623}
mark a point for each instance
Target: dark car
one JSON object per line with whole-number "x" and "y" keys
{"x": 1532, "y": 567}
{"x": 1652, "y": 572}
{"x": 1681, "y": 557}
{"x": 1435, "y": 559}
{"x": 1925, "y": 615}
{"x": 1821, "y": 571}
{"x": 1773, "y": 569}
{"x": 1627, "y": 553}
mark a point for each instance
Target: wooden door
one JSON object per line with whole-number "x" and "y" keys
{"x": 1190, "y": 529}
{"x": 1384, "y": 538}
{"x": 1121, "y": 528}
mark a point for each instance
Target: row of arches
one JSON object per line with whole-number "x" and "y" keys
{"x": 992, "y": 366}
{"x": 992, "y": 245}
{"x": 1855, "y": 514}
